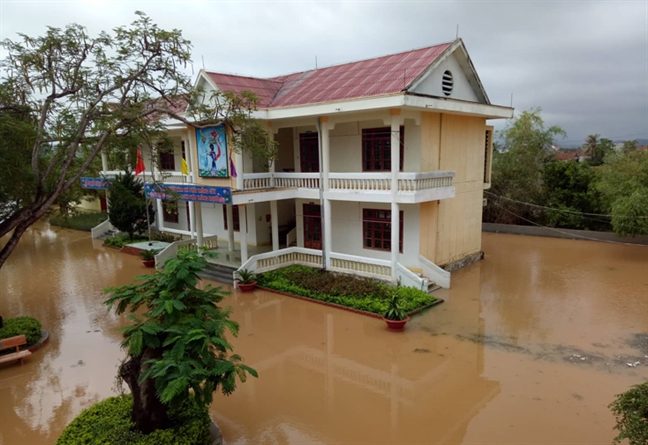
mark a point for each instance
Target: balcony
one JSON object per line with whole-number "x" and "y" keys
{"x": 369, "y": 187}
{"x": 164, "y": 176}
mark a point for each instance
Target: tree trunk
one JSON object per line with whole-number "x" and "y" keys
{"x": 148, "y": 413}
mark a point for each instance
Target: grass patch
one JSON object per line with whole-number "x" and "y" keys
{"x": 109, "y": 422}
{"x": 27, "y": 326}
{"x": 120, "y": 241}
{"x": 79, "y": 221}
{"x": 355, "y": 292}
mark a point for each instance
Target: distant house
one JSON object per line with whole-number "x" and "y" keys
{"x": 572, "y": 155}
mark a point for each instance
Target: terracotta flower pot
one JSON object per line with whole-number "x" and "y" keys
{"x": 149, "y": 263}
{"x": 396, "y": 325}
{"x": 246, "y": 287}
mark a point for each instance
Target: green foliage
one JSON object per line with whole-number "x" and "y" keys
{"x": 629, "y": 146}
{"x": 120, "y": 241}
{"x": 79, "y": 221}
{"x": 108, "y": 423}
{"x": 148, "y": 255}
{"x": 631, "y": 412}
{"x": 395, "y": 309}
{"x": 245, "y": 276}
{"x": 186, "y": 326}
{"x": 27, "y": 326}
{"x": 597, "y": 149}
{"x": 346, "y": 290}
{"x": 165, "y": 237}
{"x": 128, "y": 205}
{"x": 623, "y": 186}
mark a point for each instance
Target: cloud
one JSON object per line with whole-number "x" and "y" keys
{"x": 584, "y": 63}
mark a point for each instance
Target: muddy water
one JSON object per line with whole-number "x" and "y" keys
{"x": 529, "y": 347}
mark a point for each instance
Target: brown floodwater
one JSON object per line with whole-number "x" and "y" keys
{"x": 529, "y": 347}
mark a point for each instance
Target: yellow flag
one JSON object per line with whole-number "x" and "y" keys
{"x": 185, "y": 167}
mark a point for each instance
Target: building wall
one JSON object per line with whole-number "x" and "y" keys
{"x": 462, "y": 89}
{"x": 458, "y": 223}
{"x": 89, "y": 204}
{"x": 346, "y": 227}
{"x": 346, "y": 145}
{"x": 285, "y": 156}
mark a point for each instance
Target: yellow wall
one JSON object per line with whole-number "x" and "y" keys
{"x": 451, "y": 228}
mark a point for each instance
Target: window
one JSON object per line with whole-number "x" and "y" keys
{"x": 309, "y": 152}
{"x": 376, "y": 149}
{"x": 235, "y": 217}
{"x": 170, "y": 211}
{"x": 376, "y": 226}
{"x": 167, "y": 161}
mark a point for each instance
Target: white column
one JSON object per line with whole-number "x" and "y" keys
{"x": 243, "y": 233}
{"x": 229, "y": 214}
{"x": 192, "y": 218}
{"x": 199, "y": 225}
{"x": 104, "y": 161}
{"x": 160, "y": 215}
{"x": 395, "y": 167}
{"x": 326, "y": 217}
{"x": 189, "y": 148}
{"x": 239, "y": 169}
{"x": 274, "y": 221}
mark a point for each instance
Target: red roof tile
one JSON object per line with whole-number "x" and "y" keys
{"x": 367, "y": 78}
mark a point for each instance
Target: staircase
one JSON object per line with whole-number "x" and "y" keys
{"x": 432, "y": 286}
{"x": 219, "y": 272}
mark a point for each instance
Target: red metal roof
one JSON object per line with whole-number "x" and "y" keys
{"x": 373, "y": 77}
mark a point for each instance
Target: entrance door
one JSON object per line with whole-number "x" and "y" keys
{"x": 312, "y": 226}
{"x": 309, "y": 152}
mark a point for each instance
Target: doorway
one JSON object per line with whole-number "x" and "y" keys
{"x": 309, "y": 152}
{"x": 312, "y": 226}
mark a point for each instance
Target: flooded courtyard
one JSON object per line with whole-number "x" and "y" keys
{"x": 529, "y": 347}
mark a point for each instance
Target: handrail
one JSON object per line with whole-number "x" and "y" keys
{"x": 171, "y": 251}
{"x": 409, "y": 279}
{"x": 100, "y": 229}
{"x": 290, "y": 236}
{"x": 434, "y": 272}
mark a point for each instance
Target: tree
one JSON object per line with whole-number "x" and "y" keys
{"x": 624, "y": 190}
{"x": 128, "y": 205}
{"x": 72, "y": 96}
{"x": 629, "y": 146}
{"x": 178, "y": 343}
{"x": 591, "y": 143}
{"x": 517, "y": 165}
{"x": 597, "y": 148}
{"x": 631, "y": 412}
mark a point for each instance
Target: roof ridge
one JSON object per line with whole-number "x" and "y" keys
{"x": 270, "y": 79}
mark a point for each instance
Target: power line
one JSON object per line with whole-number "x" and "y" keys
{"x": 561, "y": 210}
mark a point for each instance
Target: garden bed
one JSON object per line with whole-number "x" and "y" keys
{"x": 109, "y": 421}
{"x": 79, "y": 221}
{"x": 348, "y": 292}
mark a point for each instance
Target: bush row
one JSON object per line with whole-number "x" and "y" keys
{"x": 79, "y": 221}
{"x": 357, "y": 293}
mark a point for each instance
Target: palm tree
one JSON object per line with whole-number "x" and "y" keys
{"x": 591, "y": 144}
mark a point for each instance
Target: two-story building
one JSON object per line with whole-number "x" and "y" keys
{"x": 380, "y": 171}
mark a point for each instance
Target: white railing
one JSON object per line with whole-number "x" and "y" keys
{"x": 101, "y": 229}
{"x": 171, "y": 251}
{"x": 277, "y": 259}
{"x": 434, "y": 272}
{"x": 164, "y": 176}
{"x": 297, "y": 180}
{"x": 409, "y": 279}
{"x": 291, "y": 237}
{"x": 361, "y": 265}
{"x": 372, "y": 181}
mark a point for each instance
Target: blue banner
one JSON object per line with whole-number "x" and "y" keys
{"x": 95, "y": 183}
{"x": 195, "y": 193}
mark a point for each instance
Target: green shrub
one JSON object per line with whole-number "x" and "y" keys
{"x": 631, "y": 412}
{"x": 346, "y": 290}
{"x": 120, "y": 241}
{"x": 27, "y": 326}
{"x": 108, "y": 423}
{"x": 79, "y": 221}
{"x": 165, "y": 237}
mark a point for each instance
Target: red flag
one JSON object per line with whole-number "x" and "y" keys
{"x": 139, "y": 168}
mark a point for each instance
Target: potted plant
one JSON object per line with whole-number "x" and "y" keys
{"x": 148, "y": 257}
{"x": 246, "y": 280}
{"x": 395, "y": 316}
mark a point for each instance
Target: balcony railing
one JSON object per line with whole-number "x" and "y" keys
{"x": 352, "y": 182}
{"x": 164, "y": 176}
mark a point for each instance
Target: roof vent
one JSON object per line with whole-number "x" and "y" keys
{"x": 447, "y": 83}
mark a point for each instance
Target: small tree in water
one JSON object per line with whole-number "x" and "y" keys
{"x": 128, "y": 205}
{"x": 178, "y": 344}
{"x": 631, "y": 411}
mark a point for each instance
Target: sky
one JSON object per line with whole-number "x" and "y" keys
{"x": 584, "y": 63}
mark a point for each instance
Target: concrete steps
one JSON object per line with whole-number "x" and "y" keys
{"x": 217, "y": 272}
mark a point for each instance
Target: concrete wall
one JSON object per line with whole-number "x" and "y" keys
{"x": 346, "y": 145}
{"x": 563, "y": 233}
{"x": 89, "y": 204}
{"x": 346, "y": 222}
{"x": 462, "y": 89}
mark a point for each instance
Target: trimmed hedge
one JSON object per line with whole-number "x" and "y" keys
{"x": 355, "y": 292}
{"x": 109, "y": 423}
{"x": 27, "y": 326}
{"x": 120, "y": 241}
{"x": 79, "y": 221}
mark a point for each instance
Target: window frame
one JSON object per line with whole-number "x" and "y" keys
{"x": 312, "y": 139}
{"x": 167, "y": 161}
{"x": 382, "y": 134}
{"x": 167, "y": 213}
{"x": 235, "y": 217}
{"x": 367, "y": 218}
